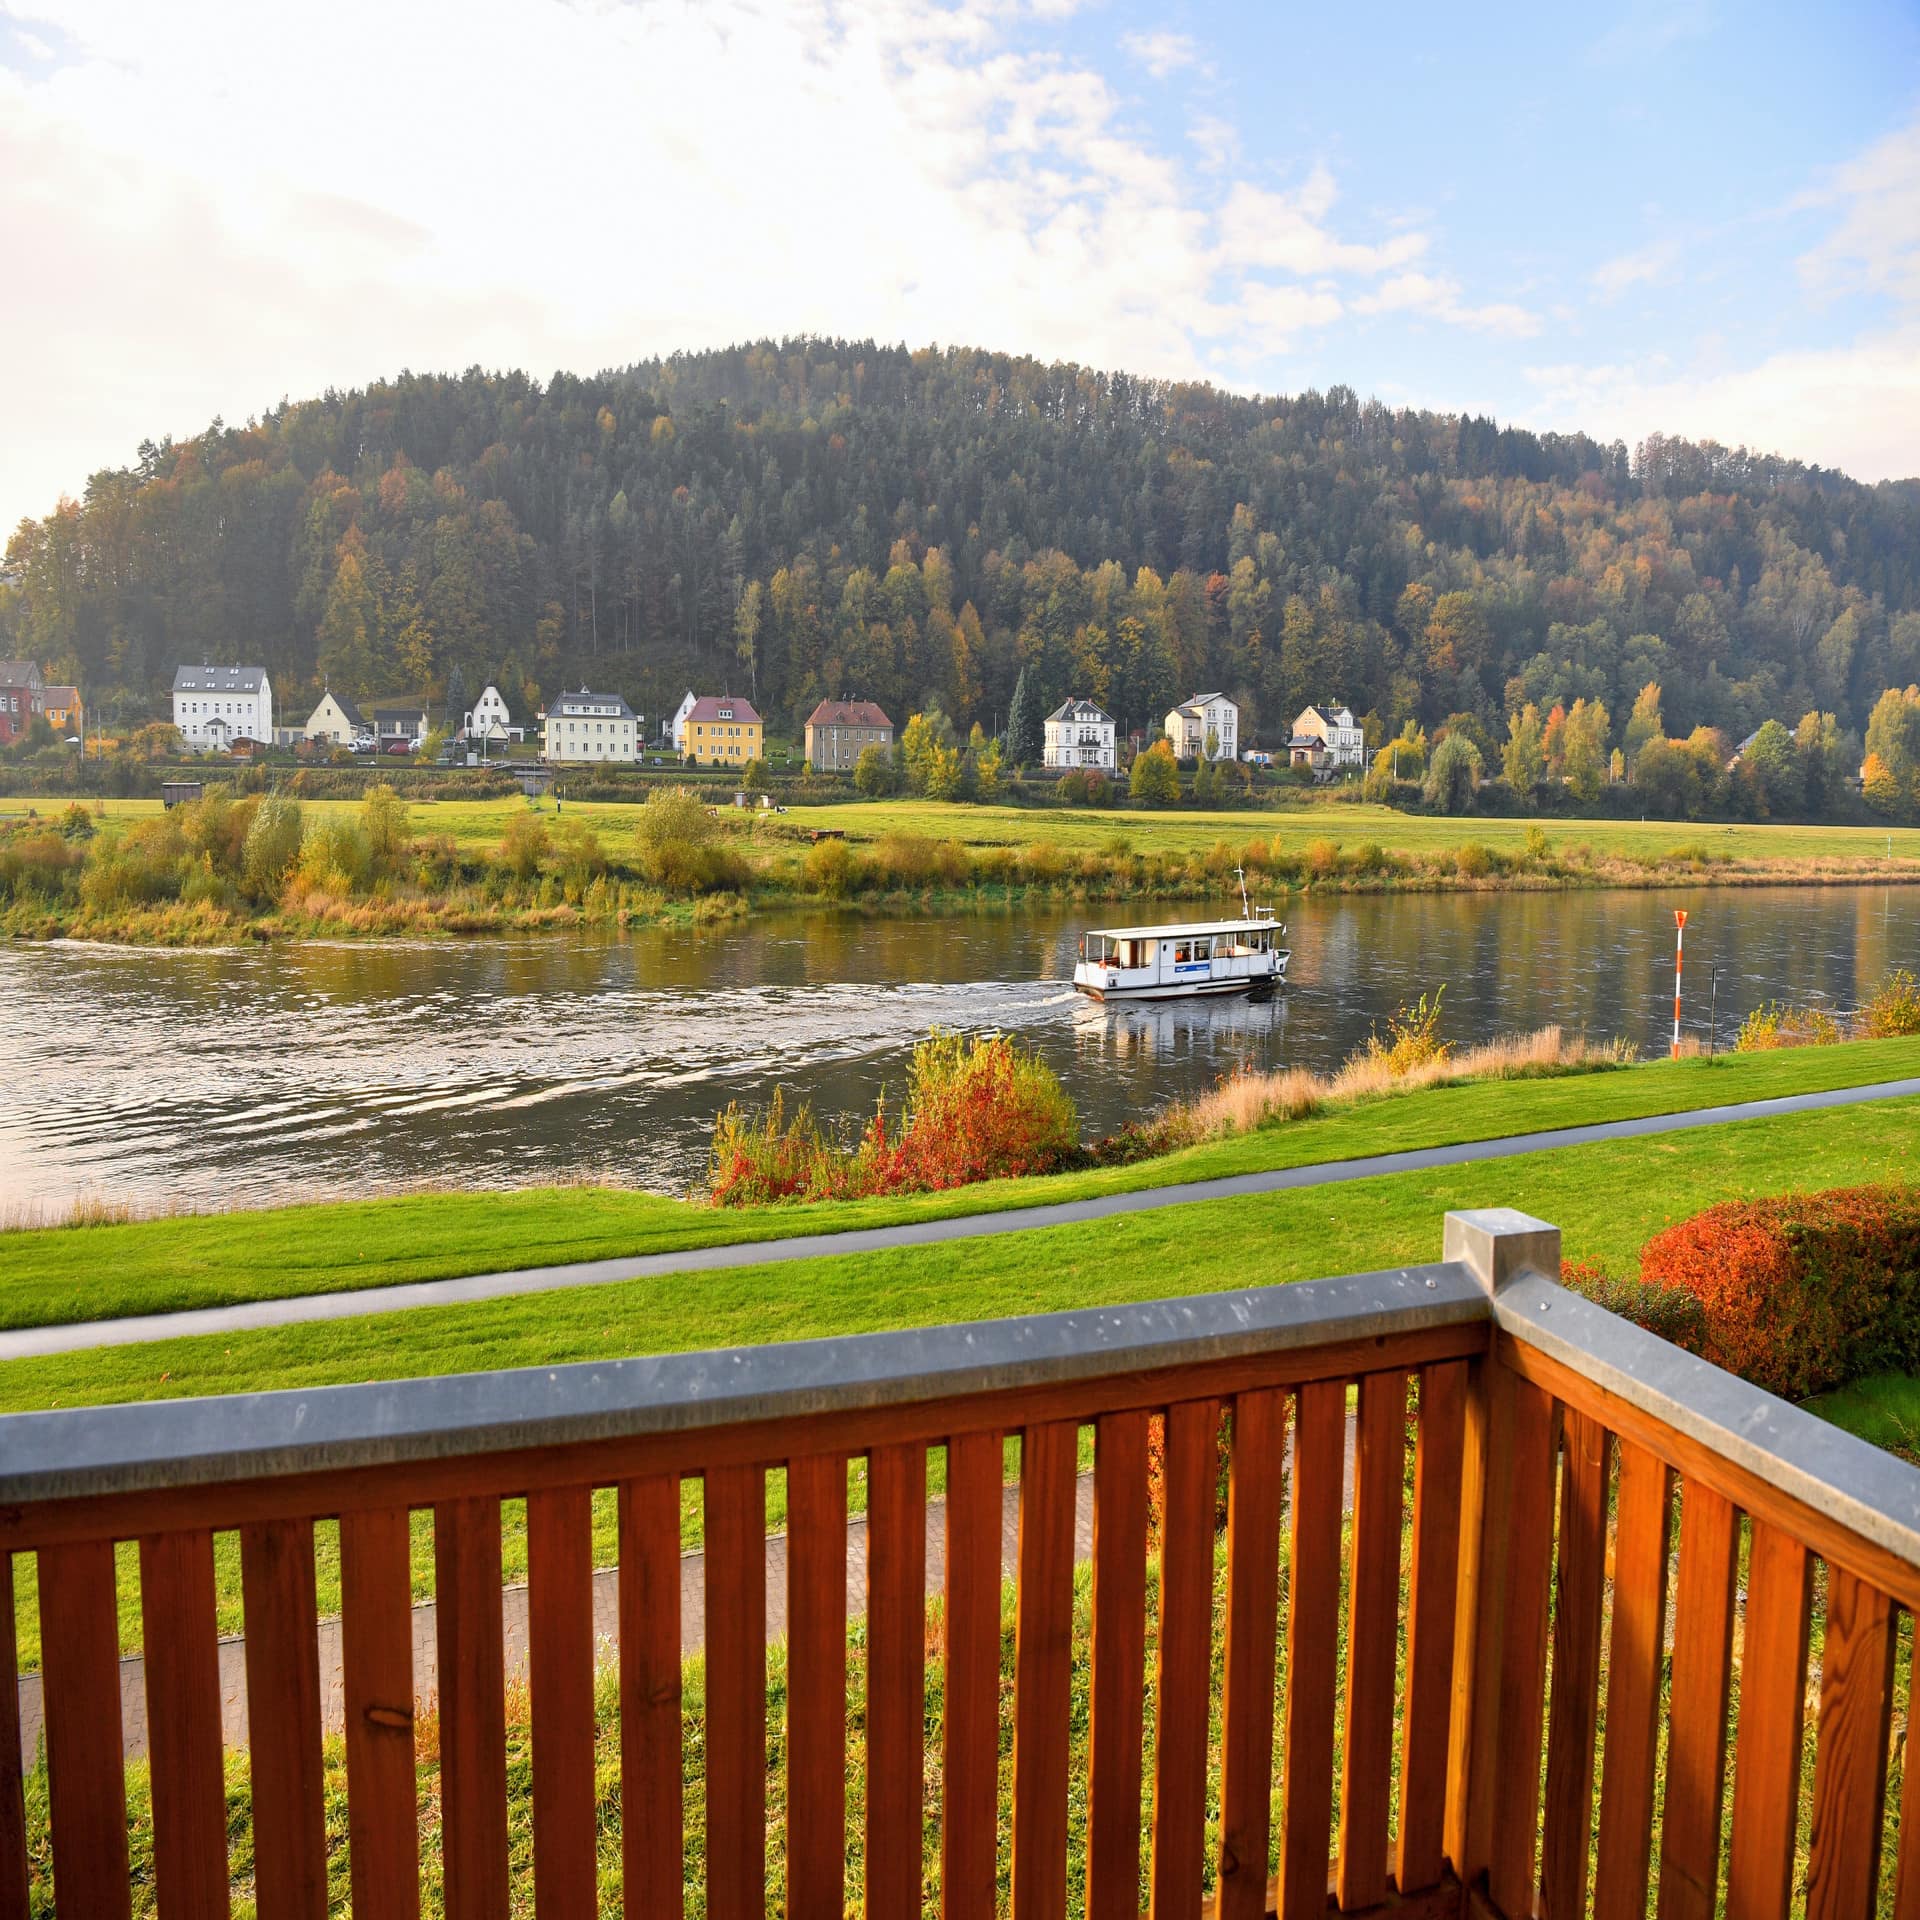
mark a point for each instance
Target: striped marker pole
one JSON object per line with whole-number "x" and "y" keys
{"x": 1679, "y": 959}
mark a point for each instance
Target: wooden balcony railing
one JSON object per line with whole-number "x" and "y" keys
{"x": 1446, "y": 1566}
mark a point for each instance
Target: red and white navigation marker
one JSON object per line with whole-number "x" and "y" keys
{"x": 1679, "y": 957}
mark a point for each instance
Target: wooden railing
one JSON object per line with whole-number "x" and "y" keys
{"x": 1446, "y": 1450}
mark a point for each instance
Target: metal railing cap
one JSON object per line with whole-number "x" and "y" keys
{"x": 1868, "y": 1490}
{"x": 86, "y": 1451}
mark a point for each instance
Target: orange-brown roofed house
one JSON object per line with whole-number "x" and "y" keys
{"x": 839, "y": 731}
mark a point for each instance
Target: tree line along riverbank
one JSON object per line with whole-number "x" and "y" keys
{"x": 227, "y": 867}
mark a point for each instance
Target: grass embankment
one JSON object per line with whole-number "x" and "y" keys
{"x": 490, "y": 866}
{"x": 58, "y": 1274}
{"x": 1608, "y": 1199}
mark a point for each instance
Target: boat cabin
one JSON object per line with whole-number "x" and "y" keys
{"x": 1208, "y": 956}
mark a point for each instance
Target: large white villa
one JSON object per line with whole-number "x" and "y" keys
{"x": 1207, "y": 725}
{"x": 215, "y": 706}
{"x": 1079, "y": 735}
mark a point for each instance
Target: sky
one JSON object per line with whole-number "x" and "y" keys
{"x": 1691, "y": 217}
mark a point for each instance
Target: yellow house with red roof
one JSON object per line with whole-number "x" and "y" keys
{"x": 723, "y": 732}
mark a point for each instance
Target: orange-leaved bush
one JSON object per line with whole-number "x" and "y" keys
{"x": 979, "y": 1108}
{"x": 1801, "y": 1292}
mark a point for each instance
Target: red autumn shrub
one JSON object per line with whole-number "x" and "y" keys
{"x": 1801, "y": 1292}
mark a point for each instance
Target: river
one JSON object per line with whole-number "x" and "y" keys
{"x": 243, "y": 1077}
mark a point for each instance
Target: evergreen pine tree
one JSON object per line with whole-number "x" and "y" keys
{"x": 1023, "y": 725}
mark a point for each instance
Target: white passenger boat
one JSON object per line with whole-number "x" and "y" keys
{"x": 1188, "y": 958}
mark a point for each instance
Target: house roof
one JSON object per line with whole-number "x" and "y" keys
{"x": 408, "y": 712}
{"x": 708, "y": 706}
{"x": 348, "y": 711}
{"x": 1081, "y": 710}
{"x": 1305, "y": 741}
{"x": 210, "y": 679}
{"x": 19, "y": 673}
{"x": 62, "y": 696}
{"x": 585, "y": 699}
{"x": 1329, "y": 716}
{"x": 842, "y": 713}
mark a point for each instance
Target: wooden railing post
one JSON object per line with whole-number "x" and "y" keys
{"x": 1506, "y": 1557}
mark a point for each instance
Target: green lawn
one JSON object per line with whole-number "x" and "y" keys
{"x": 60, "y": 1274}
{"x": 1884, "y": 1408}
{"x": 1298, "y": 819}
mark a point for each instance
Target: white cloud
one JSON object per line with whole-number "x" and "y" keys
{"x": 1263, "y": 229}
{"x": 1161, "y": 52}
{"x": 1647, "y": 28}
{"x": 1437, "y": 297}
{"x": 1856, "y": 406}
{"x": 1876, "y": 246}
{"x": 1218, "y": 141}
{"x": 1646, "y": 266}
{"x": 214, "y": 204}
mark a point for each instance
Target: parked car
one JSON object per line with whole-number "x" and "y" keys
{"x": 398, "y": 746}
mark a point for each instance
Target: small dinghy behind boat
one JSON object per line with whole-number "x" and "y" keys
{"x": 1190, "y": 957}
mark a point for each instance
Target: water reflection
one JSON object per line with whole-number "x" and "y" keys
{"x": 205, "y": 1078}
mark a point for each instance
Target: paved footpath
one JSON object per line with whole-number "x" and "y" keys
{"x": 26, "y": 1342}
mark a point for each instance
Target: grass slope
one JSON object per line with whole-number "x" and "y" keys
{"x": 53, "y": 1275}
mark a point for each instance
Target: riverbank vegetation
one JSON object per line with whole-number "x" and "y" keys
{"x": 1889, "y": 1012}
{"x": 230, "y": 867}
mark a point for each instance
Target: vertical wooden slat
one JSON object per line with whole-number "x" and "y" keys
{"x": 1697, "y": 1718}
{"x": 1313, "y": 1646}
{"x": 1116, "y": 1706}
{"x": 283, "y": 1719}
{"x": 1432, "y": 1581}
{"x": 473, "y": 1710}
{"x": 560, "y": 1670}
{"x": 1634, "y": 1656}
{"x": 1464, "y": 1815}
{"x": 376, "y": 1663}
{"x": 1043, "y": 1671}
{"x": 13, "y": 1803}
{"x": 1906, "y": 1878}
{"x": 1850, "y": 1770}
{"x": 180, "y": 1638}
{"x": 1253, "y": 1605}
{"x": 817, "y": 1687}
{"x": 970, "y": 1758}
{"x": 1185, "y": 1659}
{"x": 1373, "y": 1637}
{"x": 1773, "y": 1680}
{"x": 896, "y": 1675}
{"x": 1566, "y": 1827}
{"x": 736, "y": 1564}
{"x": 652, "y": 1838}
{"x": 1510, "y": 1659}
{"x": 80, "y": 1681}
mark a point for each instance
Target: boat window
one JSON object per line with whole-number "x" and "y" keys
{"x": 1182, "y": 952}
{"x": 1203, "y": 949}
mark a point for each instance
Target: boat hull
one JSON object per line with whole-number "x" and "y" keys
{"x": 1087, "y": 980}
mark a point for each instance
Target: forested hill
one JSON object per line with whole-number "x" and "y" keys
{"x": 841, "y": 518}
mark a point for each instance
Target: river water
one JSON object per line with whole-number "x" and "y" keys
{"x": 242, "y": 1077}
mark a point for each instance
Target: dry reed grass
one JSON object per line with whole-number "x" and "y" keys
{"x": 1245, "y": 1101}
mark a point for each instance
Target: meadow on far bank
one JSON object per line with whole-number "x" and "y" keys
{"x": 229, "y": 868}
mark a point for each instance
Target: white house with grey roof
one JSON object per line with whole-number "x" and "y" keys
{"x": 1207, "y": 726}
{"x": 1079, "y": 734}
{"x": 590, "y": 726}
{"x": 215, "y": 706}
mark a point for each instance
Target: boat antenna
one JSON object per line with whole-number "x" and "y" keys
{"x": 1246, "y": 912}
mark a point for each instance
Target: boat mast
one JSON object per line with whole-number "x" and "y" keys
{"x": 1246, "y": 912}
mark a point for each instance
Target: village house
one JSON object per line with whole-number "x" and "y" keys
{"x": 22, "y": 698}
{"x": 1079, "y": 734}
{"x": 1327, "y": 740}
{"x": 677, "y": 727}
{"x": 839, "y": 731}
{"x": 590, "y": 726}
{"x": 336, "y": 721}
{"x": 1207, "y": 725}
{"x": 61, "y": 705}
{"x": 401, "y": 726}
{"x": 722, "y": 732}
{"x": 215, "y": 706}
{"x": 490, "y": 719}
